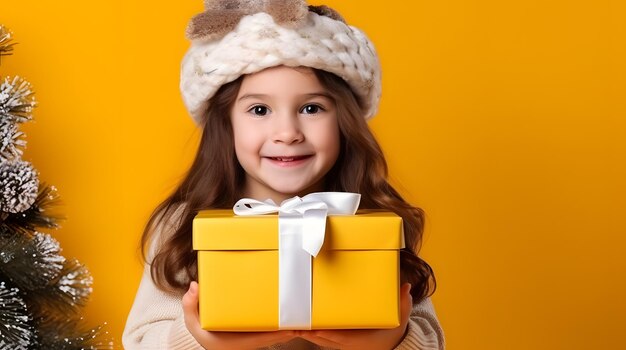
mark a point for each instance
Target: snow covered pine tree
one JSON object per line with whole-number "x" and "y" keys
{"x": 41, "y": 292}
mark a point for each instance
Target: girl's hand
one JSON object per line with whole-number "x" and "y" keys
{"x": 226, "y": 340}
{"x": 374, "y": 339}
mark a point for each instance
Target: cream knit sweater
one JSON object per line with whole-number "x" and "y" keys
{"x": 156, "y": 322}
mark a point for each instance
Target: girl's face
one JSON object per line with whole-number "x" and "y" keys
{"x": 286, "y": 132}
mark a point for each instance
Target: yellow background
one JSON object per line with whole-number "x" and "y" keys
{"x": 504, "y": 120}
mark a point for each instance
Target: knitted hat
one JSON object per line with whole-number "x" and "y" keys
{"x": 236, "y": 37}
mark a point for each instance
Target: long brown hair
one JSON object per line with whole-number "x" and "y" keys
{"x": 215, "y": 180}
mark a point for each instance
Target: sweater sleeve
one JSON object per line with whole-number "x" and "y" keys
{"x": 424, "y": 331}
{"x": 156, "y": 320}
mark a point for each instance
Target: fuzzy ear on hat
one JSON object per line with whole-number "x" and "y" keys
{"x": 324, "y": 10}
{"x": 222, "y": 16}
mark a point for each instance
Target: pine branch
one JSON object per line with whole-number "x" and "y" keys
{"x": 66, "y": 294}
{"x": 16, "y": 332}
{"x": 19, "y": 184}
{"x": 41, "y": 293}
{"x": 38, "y": 216}
{"x": 61, "y": 333}
{"x": 11, "y": 142}
{"x": 16, "y": 100}
{"x": 6, "y": 44}
{"x": 31, "y": 262}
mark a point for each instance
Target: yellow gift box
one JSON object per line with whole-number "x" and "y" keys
{"x": 355, "y": 276}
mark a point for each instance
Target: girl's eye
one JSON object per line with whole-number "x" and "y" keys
{"x": 311, "y": 109}
{"x": 259, "y": 110}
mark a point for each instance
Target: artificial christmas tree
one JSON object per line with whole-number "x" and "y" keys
{"x": 41, "y": 292}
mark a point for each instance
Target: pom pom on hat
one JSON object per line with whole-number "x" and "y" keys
{"x": 236, "y": 37}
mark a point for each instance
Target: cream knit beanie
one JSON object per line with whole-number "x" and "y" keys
{"x": 236, "y": 37}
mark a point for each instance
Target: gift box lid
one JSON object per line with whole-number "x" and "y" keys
{"x": 221, "y": 229}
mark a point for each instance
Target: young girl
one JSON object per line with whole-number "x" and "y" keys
{"x": 282, "y": 92}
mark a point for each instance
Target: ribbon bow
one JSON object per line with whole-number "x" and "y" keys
{"x": 312, "y": 209}
{"x": 301, "y": 231}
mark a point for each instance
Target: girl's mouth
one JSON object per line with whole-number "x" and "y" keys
{"x": 289, "y": 160}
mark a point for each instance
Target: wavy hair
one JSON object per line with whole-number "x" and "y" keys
{"x": 215, "y": 181}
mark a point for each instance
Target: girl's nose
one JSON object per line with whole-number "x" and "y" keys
{"x": 287, "y": 130}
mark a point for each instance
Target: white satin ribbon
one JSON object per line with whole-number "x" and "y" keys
{"x": 301, "y": 231}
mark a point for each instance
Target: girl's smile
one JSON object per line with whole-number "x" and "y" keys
{"x": 285, "y": 131}
{"x": 289, "y": 161}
